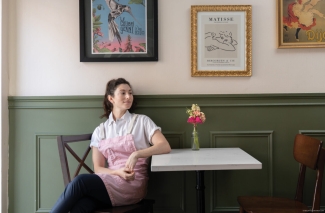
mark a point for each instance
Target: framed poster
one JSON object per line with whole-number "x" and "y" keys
{"x": 301, "y": 23}
{"x": 221, "y": 40}
{"x": 118, "y": 30}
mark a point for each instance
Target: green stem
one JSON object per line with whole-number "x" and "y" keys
{"x": 196, "y": 137}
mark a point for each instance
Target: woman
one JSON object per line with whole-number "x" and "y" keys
{"x": 124, "y": 141}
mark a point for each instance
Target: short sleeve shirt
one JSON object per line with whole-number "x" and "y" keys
{"x": 142, "y": 131}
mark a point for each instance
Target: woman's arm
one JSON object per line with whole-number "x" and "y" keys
{"x": 318, "y": 13}
{"x": 99, "y": 166}
{"x": 160, "y": 146}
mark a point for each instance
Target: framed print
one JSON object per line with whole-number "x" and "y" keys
{"x": 118, "y": 30}
{"x": 221, "y": 40}
{"x": 301, "y": 23}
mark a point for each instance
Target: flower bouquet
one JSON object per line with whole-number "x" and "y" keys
{"x": 195, "y": 117}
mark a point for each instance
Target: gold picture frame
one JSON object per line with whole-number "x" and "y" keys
{"x": 301, "y": 23}
{"x": 221, "y": 40}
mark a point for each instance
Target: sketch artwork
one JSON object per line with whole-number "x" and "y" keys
{"x": 221, "y": 41}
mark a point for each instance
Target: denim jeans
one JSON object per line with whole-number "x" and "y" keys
{"x": 83, "y": 194}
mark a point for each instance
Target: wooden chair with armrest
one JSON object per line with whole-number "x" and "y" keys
{"x": 308, "y": 152}
{"x": 144, "y": 206}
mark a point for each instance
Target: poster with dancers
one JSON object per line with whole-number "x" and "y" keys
{"x": 222, "y": 44}
{"x": 118, "y": 30}
{"x": 301, "y": 23}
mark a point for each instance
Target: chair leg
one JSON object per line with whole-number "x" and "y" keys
{"x": 241, "y": 210}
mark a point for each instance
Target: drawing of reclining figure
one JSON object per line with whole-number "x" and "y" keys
{"x": 223, "y": 42}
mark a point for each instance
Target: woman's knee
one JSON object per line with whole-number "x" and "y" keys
{"x": 81, "y": 177}
{"x": 79, "y": 181}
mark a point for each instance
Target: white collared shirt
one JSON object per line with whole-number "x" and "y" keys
{"x": 142, "y": 131}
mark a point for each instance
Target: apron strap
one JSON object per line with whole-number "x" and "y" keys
{"x": 102, "y": 133}
{"x": 132, "y": 124}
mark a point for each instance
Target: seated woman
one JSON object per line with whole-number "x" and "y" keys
{"x": 124, "y": 141}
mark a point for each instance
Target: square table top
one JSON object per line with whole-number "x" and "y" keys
{"x": 204, "y": 159}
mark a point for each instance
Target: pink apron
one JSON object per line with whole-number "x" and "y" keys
{"x": 117, "y": 151}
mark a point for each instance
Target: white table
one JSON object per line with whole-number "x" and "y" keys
{"x": 201, "y": 160}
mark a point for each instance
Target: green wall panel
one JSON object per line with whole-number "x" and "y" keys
{"x": 241, "y": 182}
{"x": 262, "y": 125}
{"x": 175, "y": 182}
{"x": 45, "y": 174}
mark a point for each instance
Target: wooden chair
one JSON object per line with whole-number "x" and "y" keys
{"x": 309, "y": 153}
{"x": 143, "y": 206}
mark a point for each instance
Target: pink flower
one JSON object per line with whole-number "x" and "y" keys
{"x": 194, "y": 120}
{"x": 203, "y": 117}
{"x": 195, "y": 115}
{"x": 198, "y": 120}
{"x": 191, "y": 120}
{"x": 98, "y": 32}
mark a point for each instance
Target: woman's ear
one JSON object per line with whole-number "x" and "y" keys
{"x": 110, "y": 99}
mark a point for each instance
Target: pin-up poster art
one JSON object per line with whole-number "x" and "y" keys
{"x": 119, "y": 26}
{"x": 301, "y": 23}
{"x": 118, "y": 30}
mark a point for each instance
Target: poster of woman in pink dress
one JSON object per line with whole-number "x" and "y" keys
{"x": 303, "y": 21}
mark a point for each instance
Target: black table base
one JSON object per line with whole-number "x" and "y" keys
{"x": 200, "y": 198}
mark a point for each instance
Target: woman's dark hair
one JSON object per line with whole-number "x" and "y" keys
{"x": 110, "y": 89}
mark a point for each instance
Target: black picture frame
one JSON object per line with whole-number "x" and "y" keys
{"x": 86, "y": 52}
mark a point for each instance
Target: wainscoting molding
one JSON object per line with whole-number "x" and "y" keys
{"x": 264, "y": 125}
{"x": 245, "y": 140}
{"x": 176, "y": 203}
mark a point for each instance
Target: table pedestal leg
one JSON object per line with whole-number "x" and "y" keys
{"x": 200, "y": 199}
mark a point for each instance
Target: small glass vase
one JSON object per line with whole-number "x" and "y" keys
{"x": 195, "y": 139}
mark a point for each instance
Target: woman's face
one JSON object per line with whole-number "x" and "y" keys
{"x": 123, "y": 97}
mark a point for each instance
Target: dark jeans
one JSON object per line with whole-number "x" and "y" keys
{"x": 83, "y": 194}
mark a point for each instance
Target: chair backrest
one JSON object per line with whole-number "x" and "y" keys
{"x": 63, "y": 146}
{"x": 308, "y": 152}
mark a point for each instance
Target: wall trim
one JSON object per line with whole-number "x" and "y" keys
{"x": 39, "y": 208}
{"x": 236, "y": 100}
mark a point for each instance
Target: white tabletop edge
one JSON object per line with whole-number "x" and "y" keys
{"x": 204, "y": 168}
{"x": 204, "y": 159}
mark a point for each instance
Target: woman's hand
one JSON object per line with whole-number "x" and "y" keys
{"x": 126, "y": 173}
{"x": 132, "y": 160}
{"x": 99, "y": 167}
